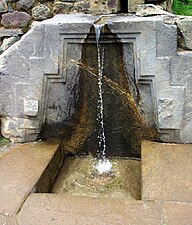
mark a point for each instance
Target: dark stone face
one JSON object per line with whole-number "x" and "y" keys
{"x": 111, "y": 3}
{"x": 123, "y": 124}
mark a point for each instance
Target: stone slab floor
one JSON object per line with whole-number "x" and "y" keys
{"x": 166, "y": 190}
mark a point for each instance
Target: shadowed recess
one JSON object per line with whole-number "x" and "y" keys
{"x": 123, "y": 123}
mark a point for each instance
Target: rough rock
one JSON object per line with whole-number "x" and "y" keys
{"x": 87, "y": 6}
{"x": 10, "y": 32}
{"x": 98, "y": 7}
{"x": 133, "y": 4}
{"x": 63, "y": 7}
{"x": 185, "y": 28}
{"x": 7, "y": 42}
{"x": 41, "y": 12}
{"x": 15, "y": 19}
{"x": 82, "y": 6}
{"x": 3, "y": 6}
{"x": 25, "y": 4}
{"x": 150, "y": 10}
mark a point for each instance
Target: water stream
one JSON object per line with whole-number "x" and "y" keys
{"x": 104, "y": 165}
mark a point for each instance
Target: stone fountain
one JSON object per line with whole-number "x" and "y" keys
{"x": 49, "y": 90}
{"x": 44, "y": 80}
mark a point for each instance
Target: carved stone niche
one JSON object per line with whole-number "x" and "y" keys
{"x": 71, "y": 113}
{"x": 42, "y": 80}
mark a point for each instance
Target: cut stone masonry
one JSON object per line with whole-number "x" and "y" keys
{"x": 35, "y": 68}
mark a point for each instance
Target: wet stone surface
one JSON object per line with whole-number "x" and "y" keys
{"x": 79, "y": 176}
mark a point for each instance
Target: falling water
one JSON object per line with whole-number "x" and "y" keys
{"x": 103, "y": 166}
{"x": 100, "y": 116}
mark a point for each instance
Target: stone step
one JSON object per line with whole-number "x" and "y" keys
{"x": 62, "y": 209}
{"x": 58, "y": 209}
{"x": 21, "y": 172}
{"x": 167, "y": 172}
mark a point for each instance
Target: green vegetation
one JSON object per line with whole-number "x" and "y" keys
{"x": 182, "y": 7}
{"x": 3, "y": 141}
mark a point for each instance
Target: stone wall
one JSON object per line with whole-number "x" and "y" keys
{"x": 39, "y": 74}
{"x": 17, "y": 15}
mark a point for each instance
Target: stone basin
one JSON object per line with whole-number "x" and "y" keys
{"x": 79, "y": 176}
{"x": 165, "y": 177}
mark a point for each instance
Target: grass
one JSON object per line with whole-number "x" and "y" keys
{"x": 3, "y": 141}
{"x": 182, "y": 7}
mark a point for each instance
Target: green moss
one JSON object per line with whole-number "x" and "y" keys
{"x": 4, "y": 140}
{"x": 182, "y": 7}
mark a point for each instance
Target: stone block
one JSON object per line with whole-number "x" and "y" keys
{"x": 30, "y": 107}
{"x": 98, "y": 7}
{"x": 10, "y": 32}
{"x": 185, "y": 28}
{"x": 177, "y": 214}
{"x": 41, "y": 12}
{"x": 15, "y": 19}
{"x": 181, "y": 70}
{"x": 63, "y": 7}
{"x": 9, "y": 128}
{"x": 150, "y": 10}
{"x": 51, "y": 208}
{"x": 170, "y": 109}
{"x": 7, "y": 42}
{"x": 166, "y": 172}
{"x": 3, "y": 6}
{"x": 7, "y": 220}
{"x": 166, "y": 39}
{"x": 24, "y": 123}
{"x": 20, "y": 129}
{"x": 165, "y": 108}
{"x": 133, "y": 4}
{"x": 21, "y": 168}
{"x": 25, "y": 4}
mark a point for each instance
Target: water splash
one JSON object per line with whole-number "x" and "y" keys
{"x": 104, "y": 165}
